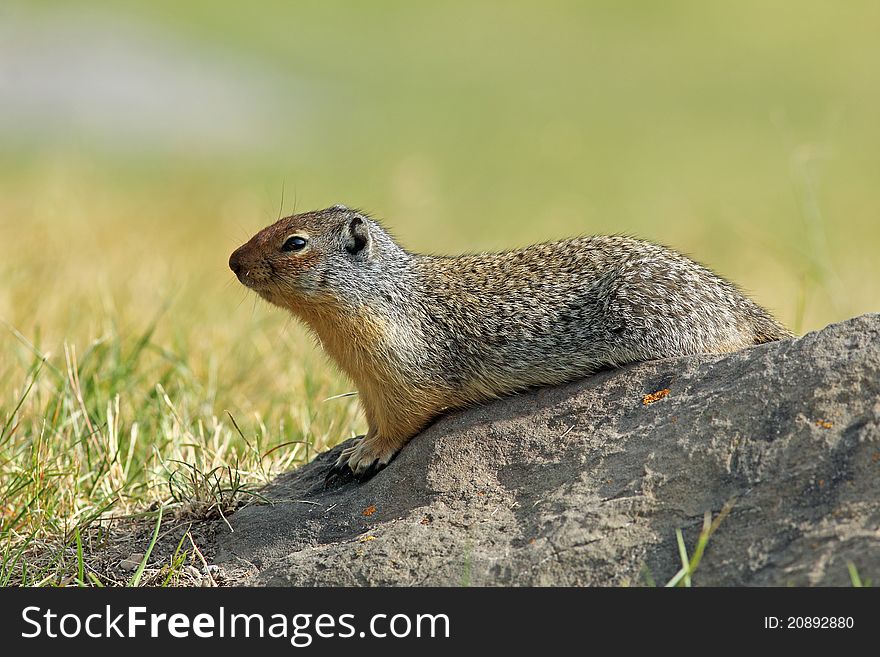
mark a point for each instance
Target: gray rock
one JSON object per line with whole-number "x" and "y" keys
{"x": 586, "y": 484}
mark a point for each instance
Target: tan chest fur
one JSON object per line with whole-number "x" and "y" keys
{"x": 373, "y": 352}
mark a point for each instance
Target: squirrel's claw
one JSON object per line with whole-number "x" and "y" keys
{"x": 338, "y": 475}
{"x": 356, "y": 461}
{"x": 341, "y": 471}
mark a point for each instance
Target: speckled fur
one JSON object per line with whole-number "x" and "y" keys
{"x": 419, "y": 334}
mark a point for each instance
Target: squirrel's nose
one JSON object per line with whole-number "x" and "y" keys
{"x": 235, "y": 263}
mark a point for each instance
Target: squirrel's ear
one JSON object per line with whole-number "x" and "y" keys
{"x": 356, "y": 236}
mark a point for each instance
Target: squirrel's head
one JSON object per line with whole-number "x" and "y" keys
{"x": 313, "y": 258}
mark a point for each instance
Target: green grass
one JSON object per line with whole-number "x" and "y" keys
{"x": 138, "y": 375}
{"x": 855, "y": 578}
{"x": 99, "y": 438}
{"x": 689, "y": 564}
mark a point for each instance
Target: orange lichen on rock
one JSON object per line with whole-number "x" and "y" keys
{"x": 655, "y": 396}
{"x": 370, "y": 510}
{"x": 825, "y": 424}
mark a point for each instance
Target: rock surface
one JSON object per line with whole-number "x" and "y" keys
{"x": 586, "y": 484}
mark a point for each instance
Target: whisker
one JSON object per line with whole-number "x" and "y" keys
{"x": 281, "y": 207}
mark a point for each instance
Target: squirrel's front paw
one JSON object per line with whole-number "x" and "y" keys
{"x": 363, "y": 457}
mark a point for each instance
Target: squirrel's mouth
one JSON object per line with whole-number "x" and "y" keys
{"x": 255, "y": 283}
{"x": 248, "y": 276}
{"x": 263, "y": 288}
{"x": 255, "y": 276}
{"x": 246, "y": 279}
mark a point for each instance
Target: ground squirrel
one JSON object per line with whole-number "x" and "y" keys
{"x": 421, "y": 334}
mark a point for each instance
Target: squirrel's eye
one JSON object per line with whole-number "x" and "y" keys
{"x": 294, "y": 243}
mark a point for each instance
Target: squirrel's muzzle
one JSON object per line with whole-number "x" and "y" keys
{"x": 236, "y": 263}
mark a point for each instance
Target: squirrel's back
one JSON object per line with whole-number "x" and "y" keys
{"x": 551, "y": 312}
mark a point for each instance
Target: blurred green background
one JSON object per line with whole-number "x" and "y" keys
{"x": 140, "y": 143}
